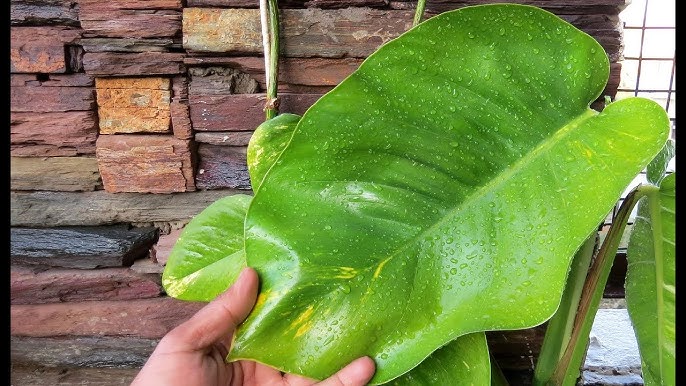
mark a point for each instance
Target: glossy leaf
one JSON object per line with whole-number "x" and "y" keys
{"x": 650, "y": 282}
{"x": 209, "y": 254}
{"x": 464, "y": 361}
{"x": 439, "y": 190}
{"x": 657, "y": 168}
{"x": 267, "y": 143}
{"x": 195, "y": 274}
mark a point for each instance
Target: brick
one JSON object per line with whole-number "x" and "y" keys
{"x": 56, "y": 209}
{"x": 40, "y": 49}
{"x": 350, "y": 32}
{"x": 144, "y": 318}
{"x": 23, "y": 374}
{"x": 28, "y": 286}
{"x": 217, "y": 80}
{"x": 181, "y": 120}
{"x": 133, "y": 105}
{"x": 54, "y": 12}
{"x": 222, "y": 167}
{"x": 241, "y": 112}
{"x": 289, "y": 3}
{"x": 128, "y": 44}
{"x": 296, "y": 75}
{"x": 133, "y": 64}
{"x": 71, "y": 174}
{"x": 81, "y": 246}
{"x": 163, "y": 247}
{"x": 130, "y": 19}
{"x": 82, "y": 351}
{"x": 35, "y": 96}
{"x": 224, "y": 138}
{"x": 53, "y": 134}
{"x": 145, "y": 163}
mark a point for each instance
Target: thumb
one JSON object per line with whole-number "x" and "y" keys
{"x": 356, "y": 373}
{"x": 221, "y": 316}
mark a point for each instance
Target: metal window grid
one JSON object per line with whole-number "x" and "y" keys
{"x": 666, "y": 96}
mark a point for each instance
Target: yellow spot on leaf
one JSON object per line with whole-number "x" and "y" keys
{"x": 262, "y": 298}
{"x": 380, "y": 267}
{"x": 304, "y": 328}
{"x": 302, "y": 323}
{"x": 346, "y": 273}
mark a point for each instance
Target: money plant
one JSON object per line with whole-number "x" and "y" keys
{"x": 444, "y": 189}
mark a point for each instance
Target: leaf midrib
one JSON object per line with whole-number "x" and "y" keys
{"x": 500, "y": 178}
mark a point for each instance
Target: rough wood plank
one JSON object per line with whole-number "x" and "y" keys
{"x": 71, "y": 174}
{"x": 225, "y": 138}
{"x": 129, "y": 44}
{"x": 29, "y": 286}
{"x": 40, "y": 49}
{"x": 53, "y": 134}
{"x": 296, "y": 75}
{"x": 131, "y": 19}
{"x": 133, "y": 105}
{"x": 241, "y": 112}
{"x": 34, "y": 375}
{"x": 144, "y": 318}
{"x": 222, "y": 167}
{"x": 45, "y": 12}
{"x": 52, "y": 209}
{"x": 128, "y": 64}
{"x": 81, "y": 247}
{"x": 36, "y": 96}
{"x": 82, "y": 351}
{"x": 145, "y": 163}
{"x": 350, "y": 32}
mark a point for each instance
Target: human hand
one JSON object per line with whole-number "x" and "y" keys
{"x": 193, "y": 353}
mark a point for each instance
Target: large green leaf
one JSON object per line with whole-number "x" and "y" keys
{"x": 203, "y": 264}
{"x": 650, "y": 282}
{"x": 439, "y": 190}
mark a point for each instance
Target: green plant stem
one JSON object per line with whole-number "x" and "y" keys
{"x": 269, "y": 16}
{"x": 419, "y": 12}
{"x": 497, "y": 376}
{"x": 567, "y": 370}
{"x": 560, "y": 326}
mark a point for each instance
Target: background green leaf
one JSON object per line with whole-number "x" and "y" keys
{"x": 465, "y": 361}
{"x": 650, "y": 282}
{"x": 439, "y": 190}
{"x": 209, "y": 254}
{"x": 657, "y": 168}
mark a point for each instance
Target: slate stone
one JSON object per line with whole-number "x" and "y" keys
{"x": 81, "y": 247}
